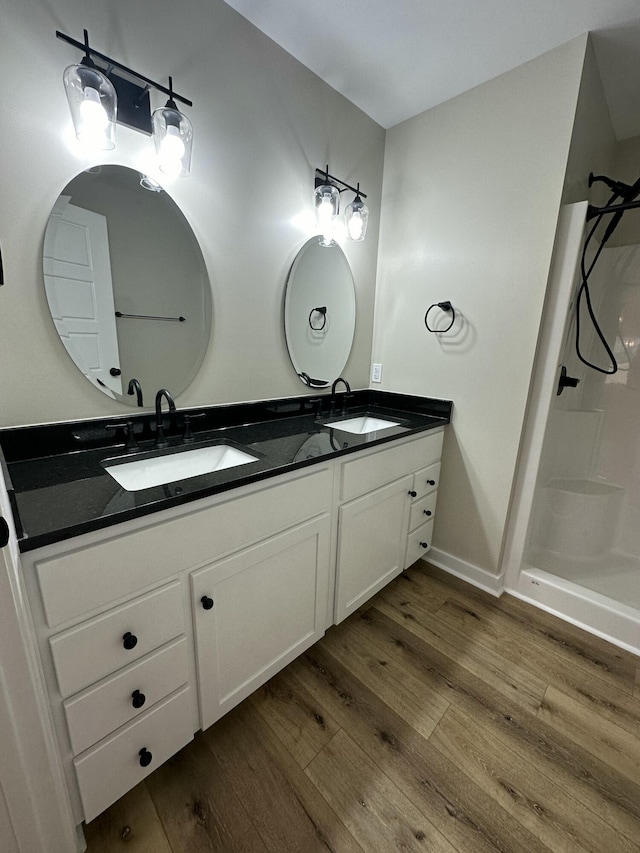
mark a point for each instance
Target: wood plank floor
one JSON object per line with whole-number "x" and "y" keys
{"x": 437, "y": 718}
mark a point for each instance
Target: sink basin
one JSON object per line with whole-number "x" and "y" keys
{"x": 158, "y": 470}
{"x": 362, "y": 424}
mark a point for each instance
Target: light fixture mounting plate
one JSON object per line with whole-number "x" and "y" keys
{"x": 134, "y": 104}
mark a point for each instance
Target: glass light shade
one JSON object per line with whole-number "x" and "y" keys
{"x": 327, "y": 203}
{"x": 173, "y": 137}
{"x": 356, "y": 217}
{"x": 93, "y": 103}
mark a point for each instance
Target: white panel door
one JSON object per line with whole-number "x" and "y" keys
{"x": 372, "y": 537}
{"x": 256, "y": 611}
{"x": 77, "y": 277}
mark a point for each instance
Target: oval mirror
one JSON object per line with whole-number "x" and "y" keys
{"x": 319, "y": 313}
{"x": 126, "y": 284}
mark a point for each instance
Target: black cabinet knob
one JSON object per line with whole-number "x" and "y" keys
{"x": 426, "y": 511}
{"x": 206, "y": 602}
{"x": 129, "y": 640}
{"x": 138, "y": 699}
{"x": 425, "y": 544}
{"x": 431, "y": 482}
{"x": 412, "y": 493}
{"x": 115, "y": 371}
{"x": 145, "y": 757}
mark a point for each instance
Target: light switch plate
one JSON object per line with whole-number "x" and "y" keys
{"x": 376, "y": 373}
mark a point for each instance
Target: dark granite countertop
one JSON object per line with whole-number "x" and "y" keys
{"x": 59, "y": 487}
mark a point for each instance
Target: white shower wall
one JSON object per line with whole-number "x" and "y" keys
{"x": 585, "y": 524}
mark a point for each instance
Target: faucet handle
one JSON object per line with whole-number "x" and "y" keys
{"x": 345, "y": 399}
{"x": 129, "y": 431}
{"x": 187, "y": 435}
{"x": 317, "y": 401}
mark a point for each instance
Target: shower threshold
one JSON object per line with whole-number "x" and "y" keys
{"x": 593, "y": 609}
{"x": 614, "y": 575}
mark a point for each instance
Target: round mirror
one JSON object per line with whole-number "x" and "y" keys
{"x": 319, "y": 313}
{"x": 126, "y": 284}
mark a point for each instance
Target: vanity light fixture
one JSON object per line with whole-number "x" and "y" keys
{"x": 172, "y": 136}
{"x": 327, "y": 204}
{"x": 357, "y": 216}
{"x": 326, "y": 199}
{"x": 92, "y": 101}
{"x": 98, "y": 98}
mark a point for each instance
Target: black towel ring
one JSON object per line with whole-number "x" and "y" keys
{"x": 445, "y": 306}
{"x": 323, "y": 312}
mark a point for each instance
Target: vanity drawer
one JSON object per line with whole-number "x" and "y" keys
{"x": 422, "y": 510}
{"x": 96, "y": 648}
{"x": 418, "y": 543}
{"x": 426, "y": 480}
{"x": 104, "y": 707}
{"x": 384, "y": 466}
{"x": 83, "y": 580}
{"x": 113, "y": 767}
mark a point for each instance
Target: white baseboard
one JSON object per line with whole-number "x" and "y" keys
{"x": 493, "y": 584}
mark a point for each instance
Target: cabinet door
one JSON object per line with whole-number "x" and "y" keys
{"x": 257, "y": 611}
{"x": 372, "y": 535}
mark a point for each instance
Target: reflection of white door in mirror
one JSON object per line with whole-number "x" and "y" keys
{"x": 77, "y": 276}
{"x": 154, "y": 274}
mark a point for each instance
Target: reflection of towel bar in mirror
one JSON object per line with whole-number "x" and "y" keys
{"x": 149, "y": 317}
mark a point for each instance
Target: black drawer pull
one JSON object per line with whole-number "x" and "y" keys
{"x": 206, "y": 602}
{"x": 129, "y": 641}
{"x": 431, "y": 482}
{"x": 412, "y": 493}
{"x": 138, "y": 699}
{"x": 425, "y": 544}
{"x": 426, "y": 511}
{"x": 145, "y": 757}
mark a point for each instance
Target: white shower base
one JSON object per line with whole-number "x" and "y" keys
{"x": 584, "y": 596}
{"x": 614, "y": 575}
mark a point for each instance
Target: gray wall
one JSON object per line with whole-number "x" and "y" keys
{"x": 471, "y": 196}
{"x": 262, "y": 123}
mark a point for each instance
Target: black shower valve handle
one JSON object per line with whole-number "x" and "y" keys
{"x": 566, "y": 381}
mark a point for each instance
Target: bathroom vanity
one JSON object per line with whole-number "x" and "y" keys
{"x": 158, "y": 610}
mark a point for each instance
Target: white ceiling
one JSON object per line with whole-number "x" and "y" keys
{"x": 396, "y": 58}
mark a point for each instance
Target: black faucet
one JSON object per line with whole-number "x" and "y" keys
{"x": 134, "y": 386}
{"x": 161, "y": 441}
{"x": 333, "y": 394}
{"x": 347, "y": 387}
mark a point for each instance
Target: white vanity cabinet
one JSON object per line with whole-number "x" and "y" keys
{"x": 152, "y": 629}
{"x": 424, "y": 493}
{"x": 115, "y": 625}
{"x": 378, "y": 492}
{"x": 119, "y": 683}
{"x": 256, "y": 611}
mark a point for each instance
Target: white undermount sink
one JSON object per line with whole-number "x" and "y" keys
{"x": 362, "y": 424}
{"x": 158, "y": 470}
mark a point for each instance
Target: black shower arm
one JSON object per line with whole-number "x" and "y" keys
{"x": 593, "y": 211}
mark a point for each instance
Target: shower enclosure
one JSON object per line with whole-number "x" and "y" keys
{"x": 574, "y": 541}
